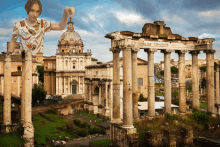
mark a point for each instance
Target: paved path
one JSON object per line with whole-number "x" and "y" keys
{"x": 84, "y": 143}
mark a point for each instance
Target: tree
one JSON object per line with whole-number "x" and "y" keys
{"x": 41, "y": 73}
{"x": 203, "y": 83}
{"x": 142, "y": 98}
{"x": 162, "y": 72}
{"x": 203, "y": 68}
{"x": 174, "y": 70}
{"x": 175, "y": 94}
{"x": 38, "y": 94}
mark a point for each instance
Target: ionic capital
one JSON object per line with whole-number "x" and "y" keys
{"x": 150, "y": 50}
{"x": 209, "y": 51}
{"x": 7, "y": 56}
{"x": 195, "y": 52}
{"x": 125, "y": 43}
{"x": 166, "y": 51}
{"x": 181, "y": 51}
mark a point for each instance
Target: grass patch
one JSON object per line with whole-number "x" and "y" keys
{"x": 203, "y": 105}
{"x": 103, "y": 142}
{"x": 44, "y": 127}
{"x": 159, "y": 84}
{"x": 10, "y": 140}
{"x": 1, "y": 107}
{"x": 94, "y": 116}
{"x": 158, "y": 93}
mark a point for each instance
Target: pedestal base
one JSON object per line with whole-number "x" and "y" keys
{"x": 28, "y": 135}
{"x": 5, "y": 129}
{"x": 122, "y": 137}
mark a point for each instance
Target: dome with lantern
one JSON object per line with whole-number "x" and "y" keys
{"x": 70, "y": 41}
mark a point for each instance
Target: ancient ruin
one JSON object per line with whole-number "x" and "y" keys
{"x": 155, "y": 36}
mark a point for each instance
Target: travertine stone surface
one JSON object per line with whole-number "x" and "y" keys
{"x": 151, "y": 88}
{"x": 217, "y": 85}
{"x": 195, "y": 80}
{"x": 7, "y": 92}
{"x": 134, "y": 85}
{"x": 127, "y": 89}
{"x": 167, "y": 81}
{"x": 23, "y": 89}
{"x": 210, "y": 80}
{"x": 116, "y": 87}
{"x": 182, "y": 85}
{"x": 28, "y": 125}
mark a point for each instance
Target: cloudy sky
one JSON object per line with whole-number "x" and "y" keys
{"x": 93, "y": 19}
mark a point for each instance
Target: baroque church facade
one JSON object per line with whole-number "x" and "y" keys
{"x": 72, "y": 71}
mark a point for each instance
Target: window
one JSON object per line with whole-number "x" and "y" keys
{"x": 140, "y": 81}
{"x": 73, "y": 65}
{"x": 62, "y": 50}
{"x": 19, "y": 68}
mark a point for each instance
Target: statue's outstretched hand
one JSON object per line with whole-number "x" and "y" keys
{"x": 70, "y": 11}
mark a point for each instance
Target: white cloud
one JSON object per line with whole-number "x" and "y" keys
{"x": 85, "y": 33}
{"x": 209, "y": 13}
{"x": 92, "y": 17}
{"x": 129, "y": 18}
{"x": 85, "y": 19}
{"x": 53, "y": 34}
{"x": 168, "y": 17}
{"x": 205, "y": 35}
{"x": 4, "y": 31}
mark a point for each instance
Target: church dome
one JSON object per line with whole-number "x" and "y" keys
{"x": 70, "y": 41}
{"x": 70, "y": 34}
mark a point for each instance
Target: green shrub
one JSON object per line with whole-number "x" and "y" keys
{"x": 84, "y": 124}
{"x": 50, "y": 111}
{"x": 169, "y": 116}
{"x": 142, "y": 98}
{"x": 82, "y": 132}
{"x": 95, "y": 130}
{"x": 201, "y": 117}
{"x": 77, "y": 122}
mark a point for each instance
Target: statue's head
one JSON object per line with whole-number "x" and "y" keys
{"x": 29, "y": 5}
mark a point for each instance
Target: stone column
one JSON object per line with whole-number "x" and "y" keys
{"x": 195, "y": 80}
{"x": 106, "y": 100}
{"x": 127, "y": 90}
{"x": 22, "y": 89}
{"x": 110, "y": 100}
{"x": 28, "y": 126}
{"x": 151, "y": 89}
{"x": 167, "y": 81}
{"x": 116, "y": 87}
{"x": 217, "y": 85}
{"x": 7, "y": 93}
{"x": 210, "y": 79}
{"x": 100, "y": 100}
{"x": 182, "y": 84}
{"x": 134, "y": 84}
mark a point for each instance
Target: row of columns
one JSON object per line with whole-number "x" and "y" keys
{"x": 130, "y": 86}
{"x": 26, "y": 98}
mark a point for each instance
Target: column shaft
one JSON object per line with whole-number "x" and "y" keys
{"x": 23, "y": 89}
{"x": 127, "y": 89}
{"x": 167, "y": 83}
{"x": 210, "y": 80}
{"x": 134, "y": 85}
{"x": 7, "y": 92}
{"x": 116, "y": 88}
{"x": 151, "y": 90}
{"x": 182, "y": 85}
{"x": 195, "y": 81}
{"x": 217, "y": 85}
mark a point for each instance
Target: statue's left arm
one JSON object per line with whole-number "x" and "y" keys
{"x": 68, "y": 11}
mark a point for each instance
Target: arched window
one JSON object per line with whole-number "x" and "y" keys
{"x": 96, "y": 90}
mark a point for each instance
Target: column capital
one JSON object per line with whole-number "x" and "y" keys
{"x": 209, "y": 51}
{"x": 7, "y": 56}
{"x": 181, "y": 51}
{"x": 166, "y": 51}
{"x": 115, "y": 49}
{"x": 152, "y": 50}
{"x": 195, "y": 52}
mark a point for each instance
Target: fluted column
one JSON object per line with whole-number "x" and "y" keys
{"x": 167, "y": 81}
{"x": 127, "y": 89}
{"x": 7, "y": 92}
{"x": 134, "y": 85}
{"x": 116, "y": 87}
{"x": 195, "y": 80}
{"x": 106, "y": 100}
{"x": 182, "y": 84}
{"x": 100, "y": 100}
{"x": 217, "y": 85}
{"x": 210, "y": 80}
{"x": 151, "y": 88}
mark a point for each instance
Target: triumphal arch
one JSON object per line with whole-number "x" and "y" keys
{"x": 155, "y": 36}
